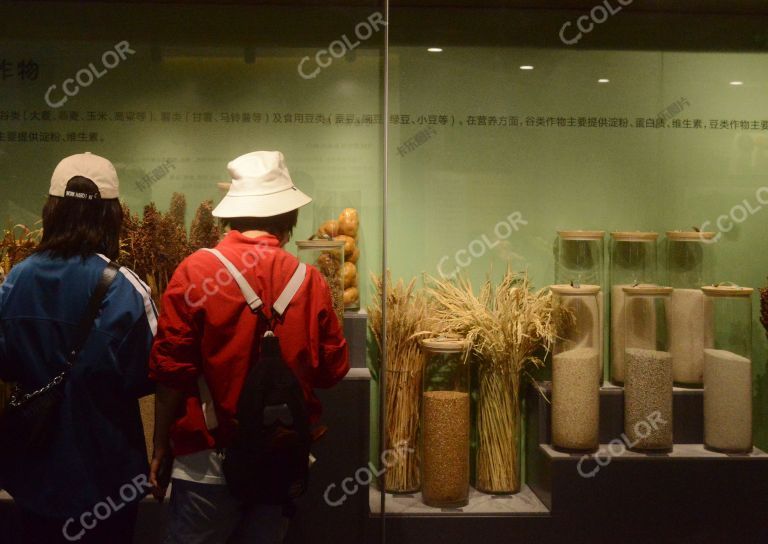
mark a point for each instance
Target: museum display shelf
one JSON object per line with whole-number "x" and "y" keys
{"x": 690, "y": 494}
{"x": 355, "y": 331}
{"x": 525, "y": 503}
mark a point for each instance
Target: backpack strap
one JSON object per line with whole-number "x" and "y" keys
{"x": 251, "y": 298}
{"x": 293, "y": 286}
{"x": 256, "y": 305}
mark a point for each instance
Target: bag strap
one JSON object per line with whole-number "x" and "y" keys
{"x": 82, "y": 332}
{"x": 251, "y": 298}
{"x": 86, "y": 323}
{"x": 256, "y": 305}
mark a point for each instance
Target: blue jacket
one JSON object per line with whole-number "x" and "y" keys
{"x": 99, "y": 443}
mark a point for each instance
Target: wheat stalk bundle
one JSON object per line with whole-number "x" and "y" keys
{"x": 406, "y": 316}
{"x": 508, "y": 327}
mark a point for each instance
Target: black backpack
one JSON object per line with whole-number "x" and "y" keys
{"x": 267, "y": 461}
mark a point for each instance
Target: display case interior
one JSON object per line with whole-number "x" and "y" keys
{"x": 448, "y": 143}
{"x": 519, "y": 132}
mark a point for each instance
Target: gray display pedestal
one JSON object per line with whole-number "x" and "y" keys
{"x": 690, "y": 495}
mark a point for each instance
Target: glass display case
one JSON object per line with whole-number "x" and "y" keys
{"x": 445, "y": 143}
{"x": 328, "y": 257}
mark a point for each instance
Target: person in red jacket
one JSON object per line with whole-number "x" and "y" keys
{"x": 204, "y": 340}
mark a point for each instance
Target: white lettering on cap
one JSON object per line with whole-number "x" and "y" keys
{"x": 83, "y": 196}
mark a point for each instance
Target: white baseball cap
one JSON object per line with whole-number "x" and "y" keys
{"x": 97, "y": 169}
{"x": 261, "y": 187}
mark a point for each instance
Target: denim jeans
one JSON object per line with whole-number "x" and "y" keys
{"x": 208, "y": 514}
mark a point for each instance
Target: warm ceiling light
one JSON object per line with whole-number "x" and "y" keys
{"x": 737, "y": 83}
{"x": 603, "y": 80}
{"x": 435, "y": 49}
{"x": 526, "y": 67}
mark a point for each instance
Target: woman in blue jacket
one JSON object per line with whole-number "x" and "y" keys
{"x": 85, "y": 484}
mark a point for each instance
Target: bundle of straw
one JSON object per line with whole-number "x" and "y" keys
{"x": 406, "y": 316}
{"x": 508, "y": 326}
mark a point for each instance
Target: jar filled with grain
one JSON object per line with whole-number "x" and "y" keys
{"x": 689, "y": 261}
{"x": 728, "y": 371}
{"x": 328, "y": 257}
{"x": 648, "y": 380}
{"x": 445, "y": 423}
{"x": 633, "y": 261}
{"x": 576, "y": 370}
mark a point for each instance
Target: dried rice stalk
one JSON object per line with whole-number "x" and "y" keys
{"x": 507, "y": 326}
{"x": 406, "y": 316}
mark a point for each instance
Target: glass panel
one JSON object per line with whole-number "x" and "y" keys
{"x": 170, "y": 93}
{"x": 507, "y": 125}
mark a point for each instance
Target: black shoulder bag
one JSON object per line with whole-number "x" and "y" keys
{"x": 26, "y": 425}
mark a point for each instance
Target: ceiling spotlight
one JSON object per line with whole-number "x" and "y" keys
{"x": 526, "y": 67}
{"x": 737, "y": 83}
{"x": 603, "y": 80}
{"x": 435, "y": 49}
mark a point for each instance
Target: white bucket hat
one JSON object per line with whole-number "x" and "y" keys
{"x": 261, "y": 187}
{"x": 97, "y": 169}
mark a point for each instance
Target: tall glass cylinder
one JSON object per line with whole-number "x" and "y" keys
{"x": 648, "y": 383}
{"x": 728, "y": 371}
{"x": 689, "y": 267}
{"x": 580, "y": 260}
{"x": 328, "y": 257}
{"x": 576, "y": 371}
{"x": 336, "y": 216}
{"x": 580, "y": 257}
{"x": 445, "y": 424}
{"x": 633, "y": 261}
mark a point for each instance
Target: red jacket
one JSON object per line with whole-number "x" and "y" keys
{"x": 206, "y": 326}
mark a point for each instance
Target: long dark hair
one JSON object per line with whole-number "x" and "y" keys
{"x": 81, "y": 227}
